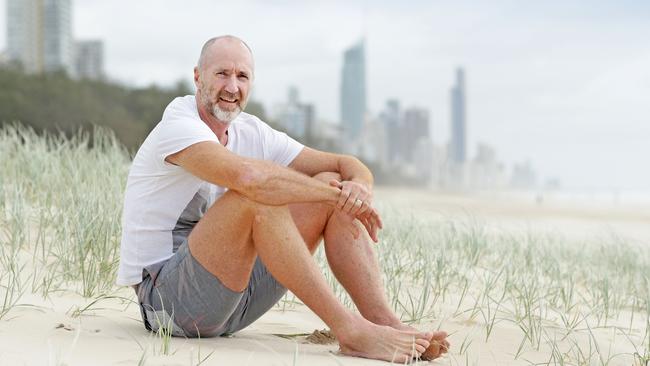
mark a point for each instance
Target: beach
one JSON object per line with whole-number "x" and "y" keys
{"x": 487, "y": 325}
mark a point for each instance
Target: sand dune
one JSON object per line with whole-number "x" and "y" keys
{"x": 54, "y": 331}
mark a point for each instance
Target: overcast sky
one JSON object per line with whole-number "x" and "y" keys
{"x": 565, "y": 84}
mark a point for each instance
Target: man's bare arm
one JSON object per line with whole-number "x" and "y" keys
{"x": 312, "y": 162}
{"x": 259, "y": 180}
{"x": 357, "y": 180}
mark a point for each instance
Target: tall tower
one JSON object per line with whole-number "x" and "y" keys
{"x": 39, "y": 34}
{"x": 457, "y": 147}
{"x": 58, "y": 52}
{"x": 353, "y": 90}
{"x": 24, "y": 34}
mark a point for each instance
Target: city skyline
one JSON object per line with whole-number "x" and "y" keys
{"x": 565, "y": 92}
{"x": 39, "y": 34}
{"x": 40, "y": 38}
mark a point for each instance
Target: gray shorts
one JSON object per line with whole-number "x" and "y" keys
{"x": 182, "y": 297}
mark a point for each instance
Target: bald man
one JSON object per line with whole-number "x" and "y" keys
{"x": 222, "y": 215}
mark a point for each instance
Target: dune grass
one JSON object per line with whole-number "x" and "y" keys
{"x": 60, "y": 209}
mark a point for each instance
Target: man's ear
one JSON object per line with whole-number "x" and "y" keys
{"x": 196, "y": 76}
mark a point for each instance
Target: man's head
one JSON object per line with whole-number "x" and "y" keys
{"x": 223, "y": 77}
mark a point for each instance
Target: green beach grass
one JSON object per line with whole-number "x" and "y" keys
{"x": 506, "y": 298}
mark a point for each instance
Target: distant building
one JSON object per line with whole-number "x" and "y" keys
{"x": 485, "y": 172}
{"x": 295, "y": 117}
{"x": 326, "y": 136}
{"x": 57, "y": 36}
{"x": 373, "y": 141}
{"x": 403, "y": 129}
{"x": 414, "y": 127}
{"x": 39, "y": 35}
{"x": 24, "y": 34}
{"x": 353, "y": 91}
{"x": 309, "y": 111}
{"x": 89, "y": 59}
{"x": 457, "y": 145}
{"x": 390, "y": 119}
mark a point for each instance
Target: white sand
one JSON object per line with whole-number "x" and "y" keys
{"x": 573, "y": 219}
{"x": 47, "y": 333}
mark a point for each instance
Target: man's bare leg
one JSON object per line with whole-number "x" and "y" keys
{"x": 235, "y": 230}
{"x": 355, "y": 265}
{"x": 353, "y": 261}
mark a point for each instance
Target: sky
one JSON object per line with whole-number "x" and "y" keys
{"x": 562, "y": 84}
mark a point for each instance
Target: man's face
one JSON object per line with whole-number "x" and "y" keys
{"x": 224, "y": 79}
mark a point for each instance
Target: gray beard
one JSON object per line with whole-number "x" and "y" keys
{"x": 225, "y": 117}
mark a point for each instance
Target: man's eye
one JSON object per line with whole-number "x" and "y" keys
{"x": 243, "y": 76}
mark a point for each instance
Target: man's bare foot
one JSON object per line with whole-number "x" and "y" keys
{"x": 439, "y": 343}
{"x": 368, "y": 340}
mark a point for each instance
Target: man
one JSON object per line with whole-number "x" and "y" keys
{"x": 222, "y": 214}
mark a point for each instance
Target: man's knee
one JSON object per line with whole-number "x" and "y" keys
{"x": 234, "y": 198}
{"x": 254, "y": 208}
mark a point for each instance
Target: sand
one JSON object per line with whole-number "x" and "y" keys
{"x": 51, "y": 332}
{"x": 580, "y": 218}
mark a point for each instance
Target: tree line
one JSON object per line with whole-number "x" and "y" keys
{"x": 56, "y": 103}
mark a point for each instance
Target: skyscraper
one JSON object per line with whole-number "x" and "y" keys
{"x": 24, "y": 43}
{"x": 457, "y": 146}
{"x": 39, "y": 34}
{"x": 353, "y": 91}
{"x": 58, "y": 53}
{"x": 415, "y": 126}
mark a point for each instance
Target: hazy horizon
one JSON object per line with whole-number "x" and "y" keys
{"x": 566, "y": 86}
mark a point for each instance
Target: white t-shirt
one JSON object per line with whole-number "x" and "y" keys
{"x": 163, "y": 201}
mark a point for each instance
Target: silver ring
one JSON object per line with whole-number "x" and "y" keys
{"x": 358, "y": 202}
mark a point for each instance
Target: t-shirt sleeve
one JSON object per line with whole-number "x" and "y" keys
{"x": 180, "y": 128}
{"x": 278, "y": 146}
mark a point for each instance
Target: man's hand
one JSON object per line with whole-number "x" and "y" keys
{"x": 356, "y": 201}
{"x": 355, "y": 197}
{"x": 372, "y": 222}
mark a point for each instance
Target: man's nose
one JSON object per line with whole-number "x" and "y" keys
{"x": 231, "y": 85}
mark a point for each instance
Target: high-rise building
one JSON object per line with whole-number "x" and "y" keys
{"x": 39, "y": 35}
{"x": 390, "y": 117}
{"x": 58, "y": 44}
{"x": 414, "y": 126}
{"x": 353, "y": 91}
{"x": 24, "y": 40}
{"x": 89, "y": 59}
{"x": 457, "y": 146}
